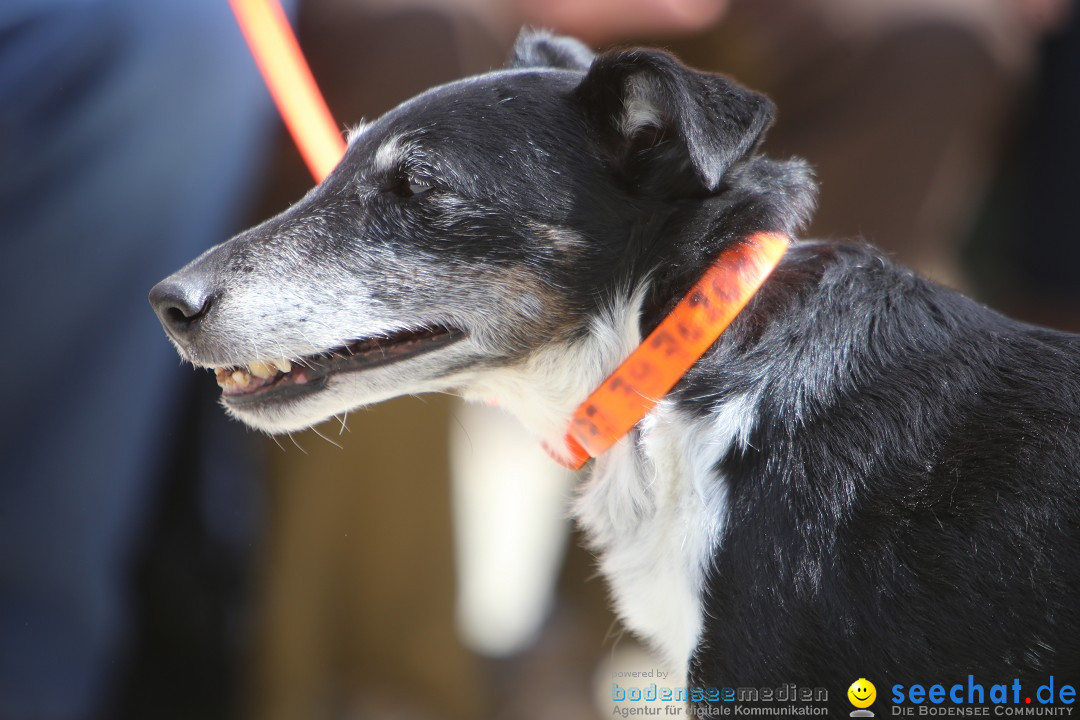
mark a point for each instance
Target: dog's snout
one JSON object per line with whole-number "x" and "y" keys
{"x": 180, "y": 303}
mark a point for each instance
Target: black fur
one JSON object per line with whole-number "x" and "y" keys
{"x": 706, "y": 122}
{"x": 907, "y": 507}
{"x": 538, "y": 49}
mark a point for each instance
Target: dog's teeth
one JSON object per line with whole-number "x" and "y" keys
{"x": 240, "y": 377}
{"x": 282, "y": 365}
{"x": 261, "y": 370}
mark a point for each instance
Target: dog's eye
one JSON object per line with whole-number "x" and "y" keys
{"x": 407, "y": 187}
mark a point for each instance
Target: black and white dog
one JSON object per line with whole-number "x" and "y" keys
{"x": 868, "y": 475}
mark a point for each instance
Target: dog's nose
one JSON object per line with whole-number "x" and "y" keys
{"x": 180, "y": 303}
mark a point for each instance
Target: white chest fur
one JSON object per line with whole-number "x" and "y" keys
{"x": 655, "y": 513}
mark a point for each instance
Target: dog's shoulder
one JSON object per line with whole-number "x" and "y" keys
{"x": 900, "y": 435}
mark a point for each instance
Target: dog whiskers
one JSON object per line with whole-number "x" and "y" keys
{"x": 316, "y": 431}
{"x": 298, "y": 447}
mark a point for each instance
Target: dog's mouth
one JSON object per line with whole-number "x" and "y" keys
{"x": 283, "y": 379}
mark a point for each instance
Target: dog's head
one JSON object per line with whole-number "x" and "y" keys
{"x": 466, "y": 230}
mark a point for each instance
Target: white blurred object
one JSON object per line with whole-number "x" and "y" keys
{"x": 510, "y": 503}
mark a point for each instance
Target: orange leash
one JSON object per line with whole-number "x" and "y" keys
{"x": 679, "y": 341}
{"x": 277, "y": 53}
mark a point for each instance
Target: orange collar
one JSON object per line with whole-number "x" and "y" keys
{"x": 679, "y": 341}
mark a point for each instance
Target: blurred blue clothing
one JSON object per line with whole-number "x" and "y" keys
{"x": 130, "y": 137}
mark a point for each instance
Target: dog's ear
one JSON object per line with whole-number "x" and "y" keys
{"x": 652, "y": 114}
{"x": 541, "y": 49}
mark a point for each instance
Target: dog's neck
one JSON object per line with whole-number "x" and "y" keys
{"x": 682, "y": 338}
{"x": 543, "y": 390}
{"x": 643, "y": 375}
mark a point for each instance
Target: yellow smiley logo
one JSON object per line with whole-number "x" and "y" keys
{"x": 862, "y": 693}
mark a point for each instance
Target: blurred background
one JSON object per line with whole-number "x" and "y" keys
{"x": 158, "y": 561}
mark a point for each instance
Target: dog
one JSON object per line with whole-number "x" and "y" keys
{"x": 866, "y": 475}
